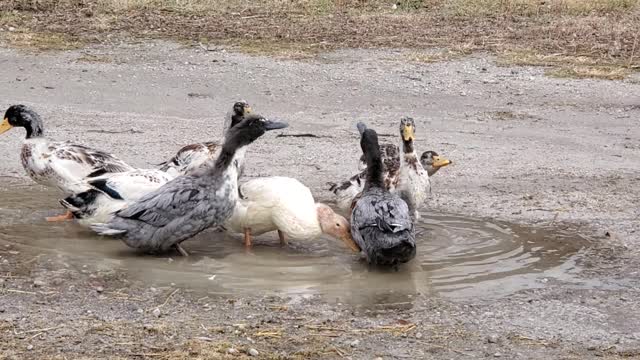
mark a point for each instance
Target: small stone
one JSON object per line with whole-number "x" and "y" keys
{"x": 354, "y": 343}
{"x": 157, "y": 312}
{"x": 30, "y": 347}
{"x": 492, "y": 339}
{"x": 232, "y": 351}
{"x": 140, "y": 311}
{"x": 2, "y": 310}
{"x": 592, "y": 347}
{"x": 99, "y": 289}
{"x": 253, "y": 352}
{"x": 419, "y": 335}
{"x": 497, "y": 354}
{"x": 378, "y": 358}
{"x": 38, "y": 283}
{"x": 11, "y": 28}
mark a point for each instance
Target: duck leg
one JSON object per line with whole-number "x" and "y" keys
{"x": 64, "y": 217}
{"x": 181, "y": 250}
{"x": 283, "y": 239}
{"x": 247, "y": 237}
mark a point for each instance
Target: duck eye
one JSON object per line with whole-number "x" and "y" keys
{"x": 337, "y": 224}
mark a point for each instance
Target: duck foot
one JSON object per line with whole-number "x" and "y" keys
{"x": 181, "y": 250}
{"x": 283, "y": 239}
{"x": 247, "y": 238}
{"x": 64, "y": 217}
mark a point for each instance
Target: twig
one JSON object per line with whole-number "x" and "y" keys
{"x": 305, "y": 135}
{"x": 167, "y": 299}
{"x": 633, "y": 51}
{"x": 38, "y": 330}
{"x": 21, "y": 292}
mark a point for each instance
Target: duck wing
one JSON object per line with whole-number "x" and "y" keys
{"x": 190, "y": 156}
{"x": 382, "y": 227}
{"x": 390, "y": 154}
{"x": 130, "y": 185}
{"x": 175, "y": 199}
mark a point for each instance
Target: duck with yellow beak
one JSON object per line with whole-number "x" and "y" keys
{"x": 402, "y": 172}
{"x": 57, "y": 164}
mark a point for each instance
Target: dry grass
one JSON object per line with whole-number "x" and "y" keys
{"x": 590, "y": 72}
{"x": 588, "y": 37}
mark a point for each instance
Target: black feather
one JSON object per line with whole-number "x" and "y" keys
{"x": 101, "y": 184}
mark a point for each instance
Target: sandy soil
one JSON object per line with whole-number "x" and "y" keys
{"x": 526, "y": 148}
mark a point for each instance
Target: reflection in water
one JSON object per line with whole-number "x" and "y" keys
{"x": 457, "y": 257}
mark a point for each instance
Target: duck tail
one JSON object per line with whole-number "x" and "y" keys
{"x": 79, "y": 203}
{"x": 105, "y": 230}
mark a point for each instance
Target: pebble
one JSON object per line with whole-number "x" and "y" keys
{"x": 30, "y": 347}
{"x": 232, "y": 351}
{"x": 253, "y": 352}
{"x": 354, "y": 343}
{"x": 11, "y": 28}
{"x": 99, "y": 289}
{"x": 419, "y": 335}
{"x": 38, "y": 283}
{"x": 157, "y": 312}
{"x": 497, "y": 355}
{"x": 492, "y": 339}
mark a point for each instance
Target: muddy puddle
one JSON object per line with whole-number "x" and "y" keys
{"x": 458, "y": 257}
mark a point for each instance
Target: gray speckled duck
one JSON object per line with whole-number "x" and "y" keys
{"x": 380, "y": 221}
{"x": 188, "y": 204}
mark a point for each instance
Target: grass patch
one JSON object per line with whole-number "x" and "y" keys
{"x": 438, "y": 55}
{"x": 562, "y": 33}
{"x": 590, "y": 72}
{"x": 41, "y": 41}
{"x": 489, "y": 8}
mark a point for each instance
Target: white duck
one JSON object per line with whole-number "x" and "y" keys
{"x": 57, "y": 164}
{"x": 109, "y": 193}
{"x": 286, "y": 205}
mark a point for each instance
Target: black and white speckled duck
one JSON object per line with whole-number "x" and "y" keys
{"x": 62, "y": 165}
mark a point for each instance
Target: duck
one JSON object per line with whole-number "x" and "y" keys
{"x": 111, "y": 192}
{"x": 108, "y": 193}
{"x": 190, "y": 203}
{"x": 285, "y": 205}
{"x": 381, "y": 222}
{"x": 60, "y": 165}
{"x": 192, "y": 156}
{"x": 403, "y": 174}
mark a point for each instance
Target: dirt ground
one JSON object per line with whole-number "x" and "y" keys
{"x": 526, "y": 147}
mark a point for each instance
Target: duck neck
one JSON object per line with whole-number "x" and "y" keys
{"x": 371, "y": 149}
{"x": 34, "y": 127}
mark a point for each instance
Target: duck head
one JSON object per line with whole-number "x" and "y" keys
{"x": 407, "y": 133}
{"x": 22, "y": 116}
{"x": 240, "y": 109}
{"x": 432, "y": 162}
{"x": 250, "y": 128}
{"x": 335, "y": 226}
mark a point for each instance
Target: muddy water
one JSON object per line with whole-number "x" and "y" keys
{"x": 458, "y": 257}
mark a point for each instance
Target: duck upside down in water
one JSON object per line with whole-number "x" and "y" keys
{"x": 380, "y": 221}
{"x": 191, "y": 203}
{"x": 402, "y": 173}
{"x": 286, "y": 205}
{"x": 62, "y": 165}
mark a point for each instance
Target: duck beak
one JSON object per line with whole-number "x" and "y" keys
{"x": 439, "y": 162}
{"x": 274, "y": 125}
{"x": 348, "y": 240}
{"x": 248, "y": 109}
{"x": 408, "y": 133}
{"x": 5, "y": 126}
